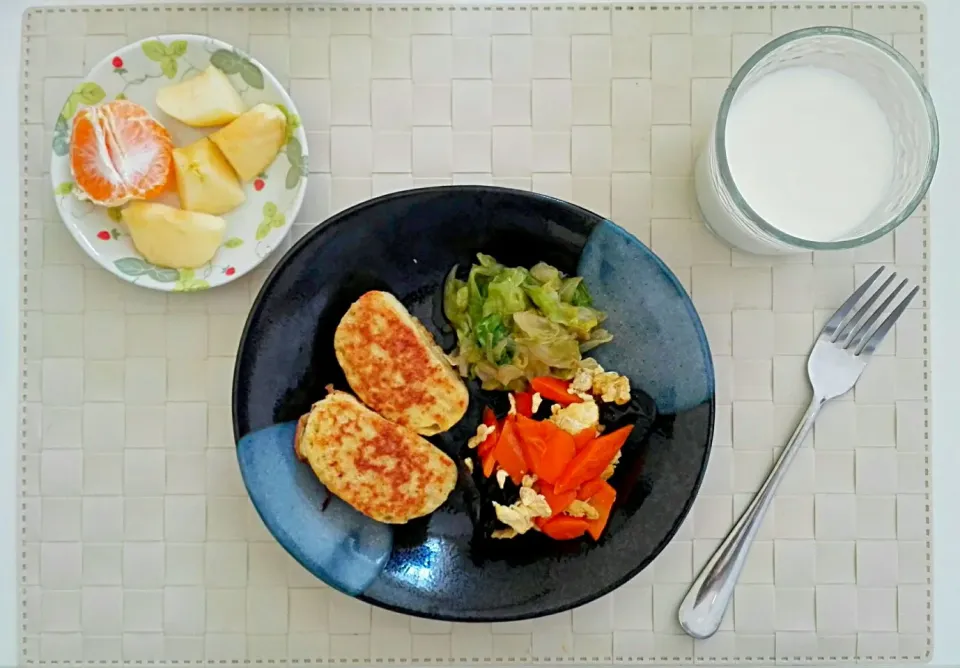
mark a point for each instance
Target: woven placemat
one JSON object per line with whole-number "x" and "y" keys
{"x": 138, "y": 544}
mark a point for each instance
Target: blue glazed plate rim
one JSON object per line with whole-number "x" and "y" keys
{"x": 339, "y": 218}
{"x": 688, "y": 304}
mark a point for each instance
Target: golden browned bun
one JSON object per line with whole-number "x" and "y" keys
{"x": 385, "y": 471}
{"x": 396, "y": 368}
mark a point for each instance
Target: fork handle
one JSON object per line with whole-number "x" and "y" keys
{"x": 702, "y": 609}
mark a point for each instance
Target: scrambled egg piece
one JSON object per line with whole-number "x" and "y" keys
{"x": 505, "y": 533}
{"x": 586, "y": 396}
{"x": 612, "y": 387}
{"x": 583, "y": 380}
{"x": 592, "y": 379}
{"x": 582, "y": 509}
{"x": 530, "y": 498}
{"x": 483, "y": 431}
{"x": 576, "y": 417}
{"x": 611, "y": 467}
{"x": 528, "y": 480}
{"x": 501, "y": 478}
{"x": 469, "y": 464}
{"x": 537, "y": 400}
{"x": 521, "y": 514}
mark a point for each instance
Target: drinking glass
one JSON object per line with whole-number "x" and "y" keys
{"x": 902, "y": 97}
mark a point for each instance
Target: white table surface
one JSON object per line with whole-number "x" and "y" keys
{"x": 944, "y": 53}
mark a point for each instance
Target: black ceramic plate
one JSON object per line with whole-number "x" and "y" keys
{"x": 437, "y": 567}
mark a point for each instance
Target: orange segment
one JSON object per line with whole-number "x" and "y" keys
{"x": 119, "y": 152}
{"x": 93, "y": 171}
{"x": 141, "y": 149}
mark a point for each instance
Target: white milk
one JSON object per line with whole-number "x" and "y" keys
{"x": 810, "y": 151}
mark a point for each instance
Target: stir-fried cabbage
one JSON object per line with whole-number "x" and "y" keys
{"x": 514, "y": 324}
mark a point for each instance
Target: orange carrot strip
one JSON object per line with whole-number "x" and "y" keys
{"x": 524, "y": 402}
{"x": 489, "y": 462}
{"x": 490, "y": 442}
{"x": 581, "y": 438}
{"x": 563, "y": 527}
{"x": 603, "y": 502}
{"x": 557, "y": 502}
{"x": 592, "y": 459}
{"x": 546, "y": 448}
{"x": 508, "y": 452}
{"x": 589, "y": 488}
{"x": 554, "y": 389}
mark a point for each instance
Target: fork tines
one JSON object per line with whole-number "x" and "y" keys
{"x": 845, "y": 328}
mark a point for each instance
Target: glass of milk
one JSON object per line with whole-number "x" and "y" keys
{"x": 826, "y": 139}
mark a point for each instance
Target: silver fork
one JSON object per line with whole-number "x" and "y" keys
{"x": 839, "y": 356}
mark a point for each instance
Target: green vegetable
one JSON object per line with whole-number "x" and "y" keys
{"x": 597, "y": 337}
{"x": 581, "y": 296}
{"x": 546, "y": 275}
{"x": 515, "y": 324}
{"x": 455, "y": 299}
{"x": 505, "y": 294}
{"x": 491, "y": 331}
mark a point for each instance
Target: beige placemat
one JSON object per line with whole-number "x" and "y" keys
{"x": 138, "y": 543}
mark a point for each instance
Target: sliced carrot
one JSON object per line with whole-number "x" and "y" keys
{"x": 560, "y": 452}
{"x": 563, "y": 527}
{"x": 554, "y": 389}
{"x": 534, "y": 449}
{"x": 546, "y": 448}
{"x": 488, "y": 445}
{"x": 557, "y": 502}
{"x": 589, "y": 488}
{"x": 581, "y": 438}
{"x": 524, "y": 402}
{"x": 530, "y": 428}
{"x": 602, "y": 500}
{"x": 490, "y": 420}
{"x": 533, "y": 441}
{"x": 590, "y": 462}
{"x": 489, "y": 462}
{"x": 508, "y": 452}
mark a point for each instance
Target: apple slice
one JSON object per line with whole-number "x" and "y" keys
{"x": 251, "y": 142}
{"x": 170, "y": 237}
{"x": 203, "y": 101}
{"x": 206, "y": 180}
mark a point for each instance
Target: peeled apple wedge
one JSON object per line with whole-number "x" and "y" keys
{"x": 205, "y": 100}
{"x": 251, "y": 142}
{"x": 205, "y": 180}
{"x": 174, "y": 238}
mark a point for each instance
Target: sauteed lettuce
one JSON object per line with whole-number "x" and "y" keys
{"x": 515, "y": 324}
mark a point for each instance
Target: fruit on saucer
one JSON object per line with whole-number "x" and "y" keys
{"x": 118, "y": 153}
{"x": 122, "y": 157}
{"x": 252, "y": 141}
{"x": 203, "y": 101}
{"x": 205, "y": 180}
{"x": 171, "y": 237}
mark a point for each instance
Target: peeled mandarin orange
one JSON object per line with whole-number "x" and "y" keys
{"x": 119, "y": 152}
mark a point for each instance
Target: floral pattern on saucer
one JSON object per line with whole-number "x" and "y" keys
{"x": 254, "y": 229}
